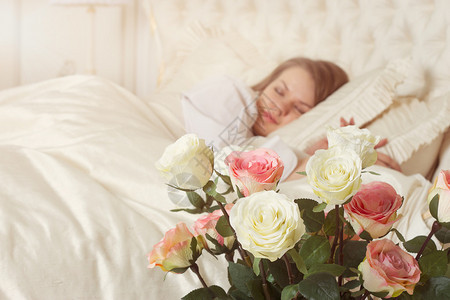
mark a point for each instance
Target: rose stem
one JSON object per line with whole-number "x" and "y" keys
{"x": 289, "y": 270}
{"x": 341, "y": 249}
{"x": 365, "y": 295}
{"x": 194, "y": 268}
{"x": 264, "y": 280}
{"x": 436, "y": 226}
{"x": 242, "y": 252}
{"x": 229, "y": 256}
{"x": 336, "y": 235}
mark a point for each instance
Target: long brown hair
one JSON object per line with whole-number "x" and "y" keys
{"x": 327, "y": 76}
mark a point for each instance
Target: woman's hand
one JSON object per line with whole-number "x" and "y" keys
{"x": 382, "y": 159}
{"x": 386, "y": 161}
{"x": 323, "y": 143}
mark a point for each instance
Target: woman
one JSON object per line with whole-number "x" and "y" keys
{"x": 225, "y": 112}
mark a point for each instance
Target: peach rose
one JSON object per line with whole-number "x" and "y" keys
{"x": 374, "y": 209}
{"x": 387, "y": 268}
{"x": 207, "y": 225}
{"x": 254, "y": 171}
{"x": 442, "y": 187}
{"x": 174, "y": 250}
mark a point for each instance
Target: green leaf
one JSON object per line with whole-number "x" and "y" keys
{"x": 289, "y": 292}
{"x": 443, "y": 235}
{"x": 225, "y": 178}
{"x": 416, "y": 243}
{"x": 256, "y": 289}
{"x": 365, "y": 236}
{"x": 320, "y": 207}
{"x": 445, "y": 224}
{"x": 279, "y": 272}
{"x": 315, "y": 250}
{"x": 205, "y": 294}
{"x": 179, "y": 270}
{"x": 380, "y": 294}
{"x": 313, "y": 220}
{"x": 333, "y": 269}
{"x": 329, "y": 225}
{"x": 358, "y": 293}
{"x": 210, "y": 189}
{"x": 240, "y": 275}
{"x": 434, "y": 206}
{"x": 195, "y": 252}
{"x": 435, "y": 288}
{"x": 219, "y": 249}
{"x": 180, "y": 189}
{"x": 189, "y": 210}
{"x": 256, "y": 265}
{"x": 370, "y": 172}
{"x": 399, "y": 235}
{"x": 223, "y": 227}
{"x": 302, "y": 173}
{"x": 238, "y": 295}
{"x": 300, "y": 264}
{"x": 238, "y": 192}
{"x": 354, "y": 254}
{"x": 434, "y": 264}
{"x": 195, "y": 199}
{"x": 350, "y": 285}
{"x": 319, "y": 286}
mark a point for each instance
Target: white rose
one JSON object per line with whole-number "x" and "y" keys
{"x": 267, "y": 224}
{"x": 187, "y": 163}
{"x": 334, "y": 174}
{"x": 360, "y": 140}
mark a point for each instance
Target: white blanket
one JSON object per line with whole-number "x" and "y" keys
{"x": 81, "y": 203}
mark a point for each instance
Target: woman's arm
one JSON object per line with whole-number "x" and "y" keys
{"x": 301, "y": 167}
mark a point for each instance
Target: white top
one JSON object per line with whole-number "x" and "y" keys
{"x": 222, "y": 110}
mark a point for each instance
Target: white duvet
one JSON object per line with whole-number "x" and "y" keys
{"x": 81, "y": 203}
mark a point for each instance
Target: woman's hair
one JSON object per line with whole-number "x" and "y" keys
{"x": 327, "y": 76}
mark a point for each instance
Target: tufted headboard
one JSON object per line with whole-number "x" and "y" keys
{"x": 195, "y": 39}
{"x": 359, "y": 35}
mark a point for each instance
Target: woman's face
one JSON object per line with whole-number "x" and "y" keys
{"x": 284, "y": 100}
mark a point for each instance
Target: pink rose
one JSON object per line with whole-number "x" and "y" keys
{"x": 442, "y": 187}
{"x": 254, "y": 171}
{"x": 207, "y": 225}
{"x": 374, "y": 209}
{"x": 174, "y": 250}
{"x": 387, "y": 268}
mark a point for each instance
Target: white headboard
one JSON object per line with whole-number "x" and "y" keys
{"x": 359, "y": 35}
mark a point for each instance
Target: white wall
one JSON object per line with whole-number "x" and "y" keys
{"x": 40, "y": 41}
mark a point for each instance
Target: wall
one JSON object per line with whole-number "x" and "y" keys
{"x": 39, "y": 40}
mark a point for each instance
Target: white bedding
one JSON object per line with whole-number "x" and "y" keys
{"x": 81, "y": 203}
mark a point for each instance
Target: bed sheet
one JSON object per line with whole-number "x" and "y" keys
{"x": 81, "y": 203}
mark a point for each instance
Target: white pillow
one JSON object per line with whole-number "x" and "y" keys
{"x": 207, "y": 53}
{"x": 363, "y": 98}
{"x": 415, "y": 130}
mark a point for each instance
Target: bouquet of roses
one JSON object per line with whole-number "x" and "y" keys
{"x": 281, "y": 248}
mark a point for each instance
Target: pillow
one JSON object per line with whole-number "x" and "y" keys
{"x": 362, "y": 98}
{"x": 415, "y": 130}
{"x": 206, "y": 52}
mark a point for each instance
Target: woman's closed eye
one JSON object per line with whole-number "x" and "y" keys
{"x": 279, "y": 91}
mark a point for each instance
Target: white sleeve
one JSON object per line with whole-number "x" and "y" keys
{"x": 287, "y": 155}
{"x": 220, "y": 111}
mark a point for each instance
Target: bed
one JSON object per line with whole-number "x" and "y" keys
{"x": 81, "y": 201}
